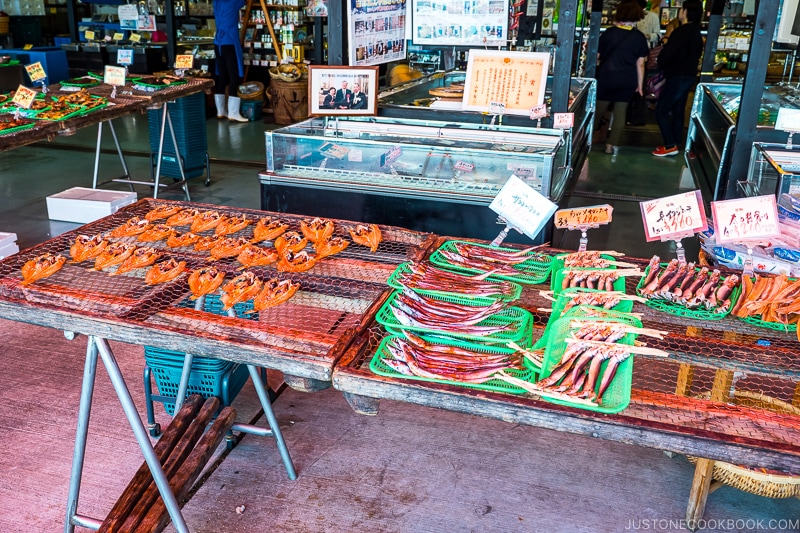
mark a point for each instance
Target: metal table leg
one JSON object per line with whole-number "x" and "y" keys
{"x": 126, "y": 178}
{"x": 183, "y": 386}
{"x": 166, "y": 119}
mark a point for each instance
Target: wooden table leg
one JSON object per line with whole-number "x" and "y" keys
{"x": 796, "y": 397}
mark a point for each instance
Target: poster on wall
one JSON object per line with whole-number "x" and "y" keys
{"x": 513, "y": 81}
{"x": 460, "y": 22}
{"x": 376, "y": 31}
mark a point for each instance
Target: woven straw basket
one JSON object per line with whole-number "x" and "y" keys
{"x": 750, "y": 479}
{"x": 4, "y": 20}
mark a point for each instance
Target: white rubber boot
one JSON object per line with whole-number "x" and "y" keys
{"x": 219, "y": 99}
{"x": 233, "y": 109}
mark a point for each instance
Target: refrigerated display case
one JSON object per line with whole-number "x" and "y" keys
{"x": 774, "y": 169}
{"x": 712, "y": 130}
{"x": 429, "y": 176}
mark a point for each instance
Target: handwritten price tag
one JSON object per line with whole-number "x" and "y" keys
{"x": 590, "y": 216}
{"x": 125, "y": 56}
{"x": 28, "y": 47}
{"x": 463, "y": 166}
{"x": 35, "y": 71}
{"x": 114, "y": 75}
{"x": 135, "y": 38}
{"x": 539, "y": 111}
{"x": 89, "y": 35}
{"x": 673, "y": 217}
{"x": 563, "y": 120}
{"x": 523, "y": 207}
{"x": 184, "y": 61}
{"x": 118, "y": 36}
{"x": 497, "y": 108}
{"x": 24, "y": 97}
{"x": 391, "y": 156}
{"x": 745, "y": 219}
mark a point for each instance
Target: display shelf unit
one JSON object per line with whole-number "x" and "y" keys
{"x": 774, "y": 169}
{"x": 277, "y": 30}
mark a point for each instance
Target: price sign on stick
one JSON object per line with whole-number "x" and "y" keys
{"x": 539, "y": 111}
{"x": 745, "y": 219}
{"x": 125, "y": 57}
{"x": 118, "y": 36}
{"x": 24, "y": 97}
{"x": 563, "y": 121}
{"x": 114, "y": 76}
{"x": 89, "y": 34}
{"x": 135, "y": 38}
{"x": 184, "y": 61}
{"x": 522, "y": 207}
{"x": 590, "y": 217}
{"x": 35, "y": 71}
{"x": 673, "y": 217}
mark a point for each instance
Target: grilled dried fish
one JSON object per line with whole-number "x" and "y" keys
{"x": 369, "y": 236}
{"x": 228, "y": 247}
{"x": 114, "y": 254}
{"x": 204, "y": 281}
{"x": 317, "y": 229}
{"x": 268, "y": 228}
{"x": 140, "y": 258}
{"x": 296, "y": 262}
{"x": 133, "y": 226}
{"x": 156, "y": 232}
{"x": 164, "y": 271}
{"x": 41, "y": 267}
{"x": 230, "y": 225}
{"x": 205, "y": 221}
{"x": 252, "y": 255}
{"x": 240, "y": 289}
{"x": 178, "y": 240}
{"x": 86, "y": 247}
{"x": 163, "y": 211}
{"x": 291, "y": 241}
{"x": 183, "y": 218}
{"x": 330, "y": 246}
{"x": 275, "y": 292}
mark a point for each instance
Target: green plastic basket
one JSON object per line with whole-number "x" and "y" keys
{"x": 618, "y": 395}
{"x": 403, "y": 268}
{"x": 494, "y": 385}
{"x": 678, "y": 310}
{"x": 75, "y": 111}
{"x": 90, "y": 81}
{"x": 776, "y": 326}
{"x": 18, "y": 128}
{"x": 624, "y": 306}
{"x": 519, "y": 320}
{"x": 532, "y": 271}
{"x": 558, "y": 265}
{"x": 558, "y": 279}
{"x": 86, "y": 111}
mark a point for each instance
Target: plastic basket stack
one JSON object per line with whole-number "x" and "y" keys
{"x": 188, "y": 116}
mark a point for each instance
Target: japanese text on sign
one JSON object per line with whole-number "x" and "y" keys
{"x": 464, "y": 166}
{"x": 391, "y": 156}
{"x": 114, "y": 75}
{"x": 538, "y": 111}
{"x": 590, "y": 216}
{"x": 516, "y": 79}
{"x": 523, "y": 207}
{"x": 135, "y": 37}
{"x": 184, "y": 61}
{"x": 89, "y": 35}
{"x": 24, "y": 97}
{"x": 125, "y": 56}
{"x": 497, "y": 108}
{"x": 118, "y": 36}
{"x": 35, "y": 71}
{"x": 563, "y": 121}
{"x": 673, "y": 217}
{"x": 745, "y": 219}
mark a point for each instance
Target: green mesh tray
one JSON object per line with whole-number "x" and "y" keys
{"x": 75, "y": 111}
{"x": 558, "y": 279}
{"x": 17, "y": 128}
{"x": 776, "y": 326}
{"x": 86, "y": 111}
{"x": 403, "y": 268}
{"x": 624, "y": 306}
{"x": 678, "y": 310}
{"x": 558, "y": 264}
{"x": 519, "y": 320}
{"x": 618, "y": 395}
{"x": 89, "y": 81}
{"x": 531, "y": 271}
{"x": 494, "y": 385}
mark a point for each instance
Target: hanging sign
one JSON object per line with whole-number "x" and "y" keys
{"x": 673, "y": 217}
{"x": 24, "y": 97}
{"x": 589, "y": 216}
{"x": 523, "y": 207}
{"x": 35, "y": 71}
{"x": 125, "y": 57}
{"x": 745, "y": 219}
{"x": 135, "y": 38}
{"x": 114, "y": 75}
{"x": 184, "y": 61}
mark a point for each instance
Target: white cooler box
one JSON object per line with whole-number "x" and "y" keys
{"x": 83, "y": 205}
{"x": 8, "y": 244}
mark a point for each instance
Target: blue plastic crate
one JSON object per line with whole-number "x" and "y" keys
{"x": 224, "y": 384}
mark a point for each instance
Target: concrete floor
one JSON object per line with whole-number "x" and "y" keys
{"x": 410, "y": 469}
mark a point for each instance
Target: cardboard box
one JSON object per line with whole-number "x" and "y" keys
{"x": 8, "y": 244}
{"x": 83, "y": 205}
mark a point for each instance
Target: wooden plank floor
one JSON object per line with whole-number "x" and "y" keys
{"x": 410, "y": 469}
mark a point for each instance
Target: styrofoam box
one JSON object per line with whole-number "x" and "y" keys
{"x": 80, "y": 204}
{"x": 8, "y": 244}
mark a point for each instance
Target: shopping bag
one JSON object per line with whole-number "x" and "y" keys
{"x": 652, "y": 57}
{"x": 655, "y": 83}
{"x": 637, "y": 110}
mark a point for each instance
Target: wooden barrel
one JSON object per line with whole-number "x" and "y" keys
{"x": 289, "y": 100}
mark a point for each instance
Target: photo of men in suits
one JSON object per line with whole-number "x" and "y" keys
{"x": 359, "y": 98}
{"x": 344, "y": 97}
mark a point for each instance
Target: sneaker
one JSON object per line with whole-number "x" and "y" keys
{"x": 662, "y": 151}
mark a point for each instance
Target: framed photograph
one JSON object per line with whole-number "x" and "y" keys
{"x": 342, "y": 90}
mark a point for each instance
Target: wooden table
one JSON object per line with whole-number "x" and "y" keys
{"x": 679, "y": 404}
{"x": 302, "y": 338}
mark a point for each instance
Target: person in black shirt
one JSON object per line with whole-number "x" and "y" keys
{"x": 678, "y": 60}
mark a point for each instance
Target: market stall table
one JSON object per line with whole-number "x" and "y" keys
{"x": 683, "y": 403}
{"x": 301, "y": 338}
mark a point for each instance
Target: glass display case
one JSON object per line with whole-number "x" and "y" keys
{"x": 712, "y": 129}
{"x": 422, "y": 175}
{"x": 774, "y": 169}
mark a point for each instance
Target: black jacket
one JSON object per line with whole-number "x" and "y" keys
{"x": 681, "y": 55}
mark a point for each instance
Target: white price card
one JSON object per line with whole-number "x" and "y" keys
{"x": 390, "y": 156}
{"x": 463, "y": 166}
{"x": 590, "y": 216}
{"x": 114, "y": 76}
{"x": 539, "y": 111}
{"x": 35, "y": 71}
{"x": 125, "y": 56}
{"x": 497, "y": 108}
{"x": 523, "y": 207}
{"x": 745, "y": 219}
{"x": 127, "y": 12}
{"x": 673, "y": 217}
{"x": 563, "y": 120}
{"x": 788, "y": 119}
{"x": 24, "y": 97}
{"x": 184, "y": 61}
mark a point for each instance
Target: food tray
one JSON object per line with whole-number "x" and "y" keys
{"x": 776, "y": 326}
{"x": 495, "y": 385}
{"x": 624, "y": 306}
{"x": 91, "y": 81}
{"x": 679, "y": 310}
{"x": 149, "y": 87}
{"x": 558, "y": 264}
{"x": 74, "y": 113}
{"x": 403, "y": 268}
{"x": 15, "y": 129}
{"x": 618, "y": 395}
{"x": 558, "y": 278}
{"x": 531, "y": 271}
{"x": 85, "y": 111}
{"x": 521, "y": 322}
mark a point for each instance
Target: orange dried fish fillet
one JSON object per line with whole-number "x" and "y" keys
{"x": 86, "y": 247}
{"x": 114, "y": 254}
{"x": 330, "y": 246}
{"x": 204, "y": 244}
{"x": 205, "y": 221}
{"x": 275, "y": 292}
{"x": 204, "y": 281}
{"x": 179, "y": 240}
{"x": 41, "y": 267}
{"x": 231, "y": 225}
{"x": 317, "y": 229}
{"x": 268, "y": 228}
{"x": 290, "y": 241}
{"x": 183, "y": 218}
{"x": 156, "y": 232}
{"x": 228, "y": 247}
{"x": 140, "y": 258}
{"x": 164, "y": 271}
{"x": 133, "y": 226}
{"x": 369, "y": 236}
{"x": 252, "y": 255}
{"x": 162, "y": 211}
{"x": 296, "y": 262}
{"x": 240, "y": 289}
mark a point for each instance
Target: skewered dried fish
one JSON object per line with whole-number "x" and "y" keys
{"x": 41, "y": 267}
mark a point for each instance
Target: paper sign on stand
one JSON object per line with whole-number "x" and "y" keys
{"x": 135, "y": 38}
{"x": 37, "y": 74}
{"x": 125, "y": 57}
{"x": 583, "y": 219}
{"x": 522, "y": 207}
{"x": 746, "y": 221}
{"x": 788, "y": 120}
{"x": 673, "y": 218}
{"x": 563, "y": 121}
{"x": 114, "y": 76}
{"x": 23, "y": 98}
{"x": 184, "y": 61}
